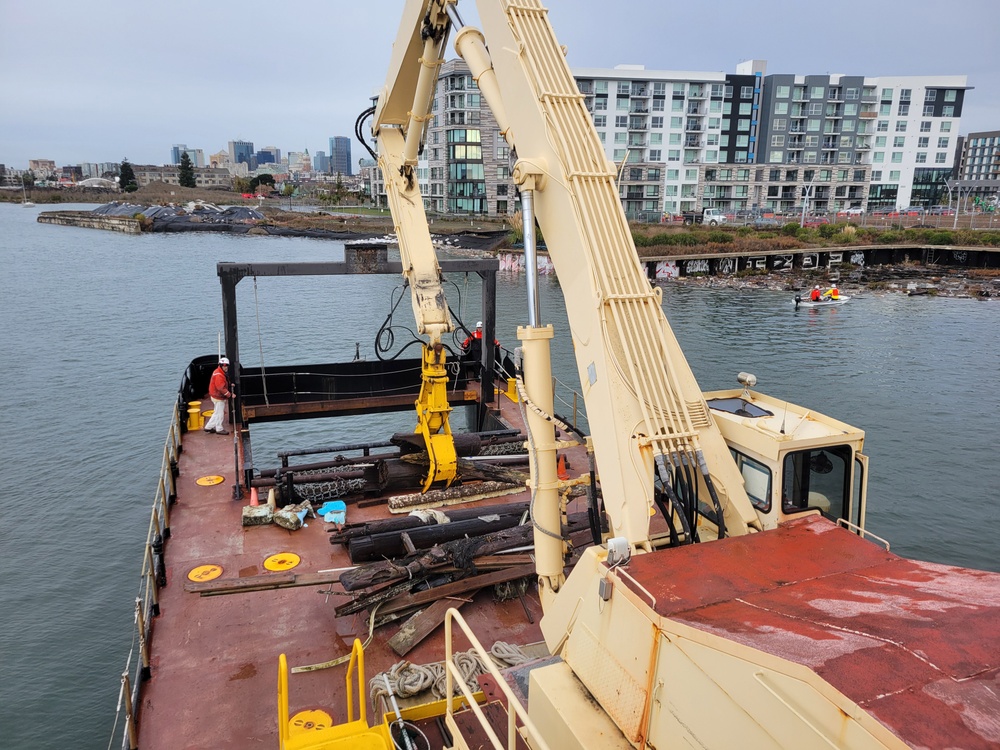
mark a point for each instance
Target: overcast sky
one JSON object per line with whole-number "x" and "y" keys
{"x": 103, "y": 81}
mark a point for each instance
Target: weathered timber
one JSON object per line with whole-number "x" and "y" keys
{"x": 392, "y": 544}
{"x": 330, "y": 463}
{"x": 466, "y": 493}
{"x": 259, "y": 583}
{"x": 466, "y": 443}
{"x": 388, "y": 570}
{"x": 423, "y": 623}
{"x": 476, "y": 469}
{"x": 455, "y": 588}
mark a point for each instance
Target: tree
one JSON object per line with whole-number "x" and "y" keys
{"x": 262, "y": 179}
{"x": 185, "y": 173}
{"x": 126, "y": 175}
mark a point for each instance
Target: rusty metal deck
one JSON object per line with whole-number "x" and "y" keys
{"x": 214, "y": 659}
{"x": 905, "y": 640}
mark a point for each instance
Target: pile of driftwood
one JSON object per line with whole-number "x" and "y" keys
{"x": 425, "y": 563}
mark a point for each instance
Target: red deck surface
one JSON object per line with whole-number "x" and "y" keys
{"x": 915, "y": 644}
{"x": 215, "y": 659}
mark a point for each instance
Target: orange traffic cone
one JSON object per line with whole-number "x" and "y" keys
{"x": 561, "y": 468}
{"x": 253, "y": 496}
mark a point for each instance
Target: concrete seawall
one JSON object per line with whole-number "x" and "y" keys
{"x": 126, "y": 224}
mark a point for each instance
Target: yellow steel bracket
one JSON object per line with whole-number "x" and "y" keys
{"x": 432, "y": 417}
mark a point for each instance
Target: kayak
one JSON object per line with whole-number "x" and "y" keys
{"x": 799, "y": 302}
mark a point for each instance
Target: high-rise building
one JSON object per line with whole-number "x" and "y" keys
{"x": 241, "y": 152}
{"x": 321, "y": 163}
{"x": 196, "y": 155}
{"x": 340, "y": 155}
{"x": 979, "y": 169}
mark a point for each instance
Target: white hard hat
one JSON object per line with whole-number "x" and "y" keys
{"x": 223, "y": 361}
{"x": 479, "y": 324}
{"x": 816, "y": 287}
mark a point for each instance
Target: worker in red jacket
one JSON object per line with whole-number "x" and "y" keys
{"x": 816, "y": 295}
{"x": 218, "y": 390}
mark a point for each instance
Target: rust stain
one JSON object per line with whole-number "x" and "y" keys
{"x": 248, "y": 571}
{"x": 244, "y": 673}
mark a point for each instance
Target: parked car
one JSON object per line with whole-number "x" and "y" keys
{"x": 886, "y": 211}
{"x": 911, "y": 211}
{"x": 941, "y": 211}
{"x": 766, "y": 222}
{"x": 852, "y": 211}
{"x": 815, "y": 221}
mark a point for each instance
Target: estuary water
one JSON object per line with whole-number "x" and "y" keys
{"x": 98, "y": 327}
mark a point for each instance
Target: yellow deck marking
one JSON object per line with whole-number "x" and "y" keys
{"x": 282, "y": 561}
{"x": 205, "y": 573}
{"x": 209, "y": 481}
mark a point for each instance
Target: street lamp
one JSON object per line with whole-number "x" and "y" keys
{"x": 807, "y": 192}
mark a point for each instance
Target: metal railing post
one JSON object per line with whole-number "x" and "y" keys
{"x": 130, "y": 730}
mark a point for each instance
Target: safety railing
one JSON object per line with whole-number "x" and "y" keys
{"x": 152, "y": 578}
{"x": 515, "y": 711}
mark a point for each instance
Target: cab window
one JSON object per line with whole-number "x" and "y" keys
{"x": 819, "y": 478}
{"x": 756, "y": 480}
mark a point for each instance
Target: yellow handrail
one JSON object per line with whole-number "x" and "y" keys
{"x": 357, "y": 656}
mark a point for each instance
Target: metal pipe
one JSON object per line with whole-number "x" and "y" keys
{"x": 530, "y": 257}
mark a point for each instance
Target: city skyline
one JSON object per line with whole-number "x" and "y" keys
{"x": 134, "y": 94}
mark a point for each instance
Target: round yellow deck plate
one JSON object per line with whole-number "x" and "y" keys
{"x": 282, "y": 561}
{"x": 209, "y": 481}
{"x": 305, "y": 721}
{"x": 205, "y": 573}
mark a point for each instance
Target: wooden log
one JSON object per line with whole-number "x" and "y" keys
{"x": 469, "y": 469}
{"x": 423, "y": 623}
{"x": 466, "y": 493}
{"x": 455, "y": 588}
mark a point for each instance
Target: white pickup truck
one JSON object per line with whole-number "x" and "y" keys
{"x": 711, "y": 216}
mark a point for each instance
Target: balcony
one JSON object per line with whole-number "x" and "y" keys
{"x": 639, "y": 91}
{"x": 867, "y": 115}
{"x": 696, "y": 93}
{"x": 796, "y": 144}
{"x": 694, "y": 126}
{"x": 693, "y": 143}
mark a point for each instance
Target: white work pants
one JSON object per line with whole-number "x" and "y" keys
{"x": 218, "y": 419}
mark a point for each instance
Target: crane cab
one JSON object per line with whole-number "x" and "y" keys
{"x": 794, "y": 461}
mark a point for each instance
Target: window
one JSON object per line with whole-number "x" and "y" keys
{"x": 945, "y": 127}
{"x": 656, "y": 122}
{"x": 624, "y": 87}
{"x": 727, "y": 108}
{"x": 897, "y": 157}
{"x": 679, "y": 88}
{"x": 883, "y": 126}
{"x": 746, "y": 92}
{"x": 743, "y": 125}
{"x": 818, "y": 478}
{"x": 812, "y": 141}
{"x": 925, "y": 126}
{"x": 940, "y": 158}
{"x": 894, "y": 176}
{"x": 930, "y": 95}
{"x": 928, "y": 110}
{"x": 950, "y": 95}
{"x": 659, "y": 88}
{"x": 877, "y": 175}
{"x": 899, "y": 141}
{"x": 878, "y": 157}
{"x": 904, "y": 110}
{"x": 691, "y": 174}
{"x": 620, "y": 138}
{"x": 621, "y": 121}
{"x": 880, "y": 141}
{"x": 673, "y": 174}
{"x": 850, "y": 110}
{"x": 745, "y": 108}
{"x": 781, "y": 108}
{"x": 782, "y": 92}
{"x": 886, "y": 94}
{"x": 777, "y": 140}
{"x": 905, "y": 94}
{"x": 778, "y": 124}
{"x": 923, "y": 142}
{"x": 715, "y": 107}
{"x": 756, "y": 480}
{"x": 852, "y": 93}
{"x": 942, "y": 143}
{"x": 947, "y": 111}
{"x": 619, "y": 154}
{"x": 601, "y": 87}
{"x": 675, "y": 139}
{"x": 813, "y": 126}
{"x": 676, "y": 105}
{"x": 653, "y": 174}
{"x": 816, "y": 108}
{"x": 901, "y": 126}
{"x": 817, "y": 92}
{"x": 600, "y": 104}
{"x": 673, "y": 155}
{"x": 600, "y": 121}
{"x": 621, "y": 105}
{"x": 921, "y": 157}
{"x": 717, "y": 89}
{"x": 659, "y": 105}
{"x": 846, "y": 141}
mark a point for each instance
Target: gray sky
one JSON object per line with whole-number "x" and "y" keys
{"x": 102, "y": 81}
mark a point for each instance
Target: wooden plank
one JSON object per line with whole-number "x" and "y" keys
{"x": 264, "y": 582}
{"x": 422, "y": 624}
{"x": 456, "y": 588}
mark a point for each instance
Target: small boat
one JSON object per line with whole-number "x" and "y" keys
{"x": 24, "y": 196}
{"x": 842, "y": 300}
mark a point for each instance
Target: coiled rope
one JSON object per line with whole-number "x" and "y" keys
{"x": 407, "y": 680}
